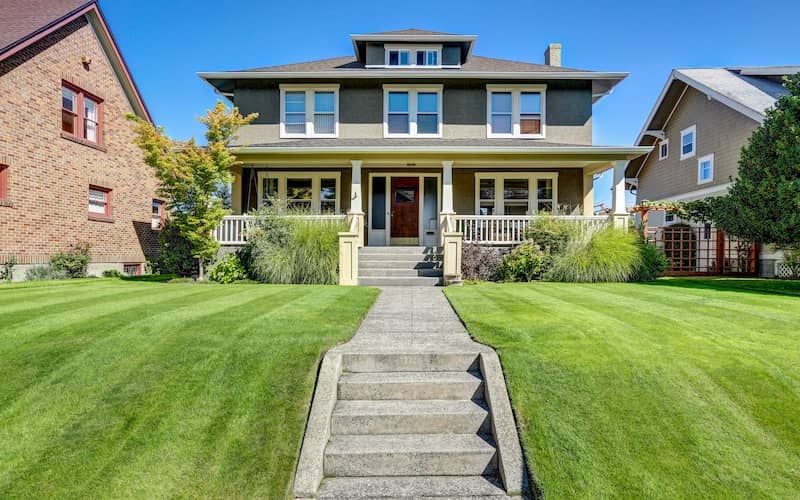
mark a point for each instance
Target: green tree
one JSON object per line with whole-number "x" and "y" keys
{"x": 763, "y": 205}
{"x": 191, "y": 176}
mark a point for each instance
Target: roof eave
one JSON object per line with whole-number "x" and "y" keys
{"x": 438, "y": 74}
{"x": 624, "y": 152}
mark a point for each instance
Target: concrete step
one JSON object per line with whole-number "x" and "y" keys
{"x": 399, "y": 273}
{"x": 396, "y": 264}
{"x": 399, "y": 257}
{"x": 409, "y": 455}
{"x": 410, "y": 361}
{"x": 399, "y": 281}
{"x": 410, "y": 417}
{"x": 399, "y": 250}
{"x": 411, "y": 487}
{"x": 410, "y": 385}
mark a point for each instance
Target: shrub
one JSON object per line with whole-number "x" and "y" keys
{"x": 604, "y": 255}
{"x": 654, "y": 262}
{"x": 175, "y": 252}
{"x": 7, "y": 273}
{"x": 283, "y": 249}
{"x": 525, "y": 263}
{"x": 228, "y": 270}
{"x": 112, "y": 273}
{"x": 480, "y": 262}
{"x": 552, "y": 235}
{"x": 44, "y": 273}
{"x": 74, "y": 261}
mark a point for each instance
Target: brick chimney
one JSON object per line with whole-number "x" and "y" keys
{"x": 552, "y": 56}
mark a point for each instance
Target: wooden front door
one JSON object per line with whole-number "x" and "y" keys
{"x": 405, "y": 207}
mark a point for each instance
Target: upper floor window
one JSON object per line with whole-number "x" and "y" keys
{"x": 157, "y": 214}
{"x": 688, "y": 142}
{"x": 80, "y": 114}
{"x": 663, "y": 149}
{"x": 404, "y": 55}
{"x": 514, "y": 111}
{"x": 705, "y": 169}
{"x": 411, "y": 112}
{"x": 309, "y": 111}
{"x": 99, "y": 202}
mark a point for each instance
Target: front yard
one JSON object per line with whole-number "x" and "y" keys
{"x": 673, "y": 389}
{"x": 132, "y": 389}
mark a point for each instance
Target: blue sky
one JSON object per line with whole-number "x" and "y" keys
{"x": 166, "y": 42}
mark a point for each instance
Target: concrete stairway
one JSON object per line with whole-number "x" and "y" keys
{"x": 410, "y": 424}
{"x": 399, "y": 266}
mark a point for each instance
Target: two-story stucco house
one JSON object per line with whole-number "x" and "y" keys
{"x": 69, "y": 170}
{"x": 413, "y": 134}
{"x": 697, "y": 128}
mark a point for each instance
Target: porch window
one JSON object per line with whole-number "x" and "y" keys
{"x": 688, "y": 142}
{"x": 412, "y": 112}
{"x": 99, "y": 202}
{"x": 310, "y": 192}
{"x": 80, "y": 114}
{"x": 515, "y": 111}
{"x": 513, "y": 193}
{"x": 309, "y": 111}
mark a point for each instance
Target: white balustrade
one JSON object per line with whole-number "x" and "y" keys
{"x": 233, "y": 228}
{"x": 510, "y": 229}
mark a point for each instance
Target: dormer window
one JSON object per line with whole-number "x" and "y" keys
{"x": 414, "y": 56}
{"x": 309, "y": 111}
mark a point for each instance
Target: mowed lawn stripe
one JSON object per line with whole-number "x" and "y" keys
{"x": 647, "y": 390}
{"x": 202, "y": 392}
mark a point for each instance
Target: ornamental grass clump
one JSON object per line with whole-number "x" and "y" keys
{"x": 604, "y": 255}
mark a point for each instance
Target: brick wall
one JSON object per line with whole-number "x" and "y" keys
{"x": 49, "y": 176}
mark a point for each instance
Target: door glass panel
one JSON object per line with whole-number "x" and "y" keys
{"x": 405, "y": 195}
{"x": 378, "y": 203}
{"x": 430, "y": 205}
{"x": 327, "y": 196}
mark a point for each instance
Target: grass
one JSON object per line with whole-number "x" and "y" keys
{"x": 114, "y": 388}
{"x": 681, "y": 388}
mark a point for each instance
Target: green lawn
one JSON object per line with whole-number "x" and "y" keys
{"x": 113, "y": 388}
{"x": 673, "y": 389}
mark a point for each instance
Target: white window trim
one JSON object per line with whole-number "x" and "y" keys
{"x": 309, "y": 90}
{"x": 709, "y": 158}
{"x": 515, "y": 90}
{"x": 689, "y": 130}
{"x": 665, "y": 142}
{"x": 412, "y": 57}
{"x": 499, "y": 199}
{"x": 412, "y": 109}
{"x": 316, "y": 178}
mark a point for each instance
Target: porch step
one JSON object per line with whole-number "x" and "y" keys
{"x": 410, "y": 417}
{"x": 369, "y": 263}
{"x": 411, "y": 360}
{"x": 399, "y": 272}
{"x": 410, "y": 455}
{"x": 399, "y": 257}
{"x": 410, "y": 385}
{"x": 399, "y": 250}
{"x": 399, "y": 281}
{"x": 411, "y": 487}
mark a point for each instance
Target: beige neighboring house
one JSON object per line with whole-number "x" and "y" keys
{"x": 699, "y": 123}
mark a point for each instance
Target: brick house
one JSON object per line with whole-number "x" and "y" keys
{"x": 69, "y": 170}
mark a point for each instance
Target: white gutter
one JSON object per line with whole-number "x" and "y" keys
{"x": 634, "y": 151}
{"x": 438, "y": 74}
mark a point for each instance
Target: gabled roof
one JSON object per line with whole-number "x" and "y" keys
{"x": 23, "y": 22}
{"x": 748, "y": 90}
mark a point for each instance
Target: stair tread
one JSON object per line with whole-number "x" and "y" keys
{"x": 408, "y": 407}
{"x": 410, "y": 487}
{"x": 408, "y": 377}
{"x": 366, "y": 444}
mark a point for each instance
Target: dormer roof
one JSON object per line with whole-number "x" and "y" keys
{"x": 411, "y": 35}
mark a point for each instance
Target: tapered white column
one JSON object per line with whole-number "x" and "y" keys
{"x": 588, "y": 194}
{"x": 618, "y": 188}
{"x": 447, "y": 187}
{"x": 356, "y": 207}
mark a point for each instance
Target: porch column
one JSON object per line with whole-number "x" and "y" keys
{"x": 619, "y": 213}
{"x": 588, "y": 193}
{"x": 356, "y": 207}
{"x": 236, "y": 191}
{"x": 446, "y": 219}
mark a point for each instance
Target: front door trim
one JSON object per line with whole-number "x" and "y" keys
{"x": 395, "y": 173}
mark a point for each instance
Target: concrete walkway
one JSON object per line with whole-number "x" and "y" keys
{"x": 411, "y": 407}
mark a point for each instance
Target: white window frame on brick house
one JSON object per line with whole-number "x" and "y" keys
{"x": 412, "y": 51}
{"x": 689, "y": 130}
{"x": 157, "y": 214}
{"x": 700, "y": 161}
{"x": 281, "y": 179}
{"x": 413, "y": 92}
{"x": 500, "y": 200}
{"x": 663, "y": 150}
{"x": 107, "y": 212}
{"x": 516, "y": 112}
{"x": 309, "y": 110}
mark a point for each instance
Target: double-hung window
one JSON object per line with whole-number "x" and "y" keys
{"x": 688, "y": 142}
{"x": 309, "y": 111}
{"x": 705, "y": 169}
{"x": 99, "y": 202}
{"x": 510, "y": 193}
{"x": 80, "y": 114}
{"x": 515, "y": 111}
{"x": 412, "y": 112}
{"x": 157, "y": 214}
{"x": 302, "y": 191}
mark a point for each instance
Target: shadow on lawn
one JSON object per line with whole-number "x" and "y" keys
{"x": 746, "y": 285}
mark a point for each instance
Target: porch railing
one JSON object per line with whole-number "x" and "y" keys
{"x": 233, "y": 228}
{"x": 510, "y": 229}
